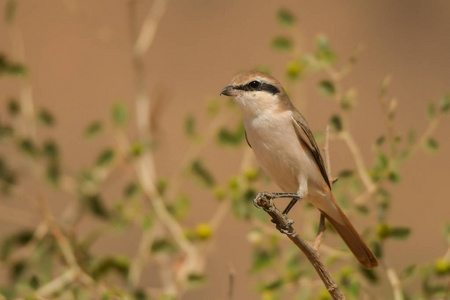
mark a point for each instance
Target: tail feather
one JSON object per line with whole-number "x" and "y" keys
{"x": 353, "y": 240}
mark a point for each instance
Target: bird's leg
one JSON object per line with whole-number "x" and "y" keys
{"x": 291, "y": 204}
{"x": 270, "y": 196}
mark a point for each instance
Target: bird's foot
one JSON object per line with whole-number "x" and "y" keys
{"x": 269, "y": 196}
{"x": 284, "y": 229}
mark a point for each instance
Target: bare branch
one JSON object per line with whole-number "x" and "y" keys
{"x": 282, "y": 222}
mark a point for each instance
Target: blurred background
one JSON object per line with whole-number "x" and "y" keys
{"x": 79, "y": 59}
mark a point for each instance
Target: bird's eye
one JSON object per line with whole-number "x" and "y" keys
{"x": 255, "y": 84}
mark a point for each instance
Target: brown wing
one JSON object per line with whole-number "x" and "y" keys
{"x": 305, "y": 134}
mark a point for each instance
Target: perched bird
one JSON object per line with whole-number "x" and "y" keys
{"x": 288, "y": 153}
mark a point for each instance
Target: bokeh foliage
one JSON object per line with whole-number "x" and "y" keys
{"x": 53, "y": 260}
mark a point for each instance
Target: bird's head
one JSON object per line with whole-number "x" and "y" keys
{"x": 256, "y": 93}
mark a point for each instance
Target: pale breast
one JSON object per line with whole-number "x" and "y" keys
{"x": 278, "y": 149}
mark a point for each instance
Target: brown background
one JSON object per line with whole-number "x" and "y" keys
{"x": 79, "y": 56}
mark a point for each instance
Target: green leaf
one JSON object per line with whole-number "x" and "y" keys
{"x": 16, "y": 240}
{"x": 446, "y": 232}
{"x": 189, "y": 127}
{"x": 29, "y": 148}
{"x": 10, "y": 10}
{"x": 8, "y": 67}
{"x": 281, "y": 43}
{"x": 431, "y": 145}
{"x": 326, "y": 88}
{"x": 296, "y": 69}
{"x": 202, "y": 174}
{"x": 180, "y": 206}
{"x": 131, "y": 190}
{"x": 431, "y": 111}
{"x": 50, "y": 149}
{"x": 53, "y": 173}
{"x": 408, "y": 271}
{"x": 285, "y": 17}
{"x": 442, "y": 266}
{"x": 273, "y": 285}
{"x": 400, "y": 233}
{"x": 349, "y": 99}
{"x": 105, "y": 157}
{"x": 46, "y": 117}
{"x": 323, "y": 52}
{"x": 336, "y": 123}
{"x": 445, "y": 103}
{"x": 13, "y": 107}
{"x": 261, "y": 259}
{"x": 394, "y": 177}
{"x": 370, "y": 275}
{"x": 383, "y": 230}
{"x": 163, "y": 246}
{"x": 93, "y": 129}
{"x": 94, "y": 203}
{"x": 231, "y": 137}
{"x": 196, "y": 279}
{"x": 102, "y": 267}
{"x": 380, "y": 141}
{"x": 120, "y": 114}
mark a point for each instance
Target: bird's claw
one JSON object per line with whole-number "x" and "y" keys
{"x": 260, "y": 196}
{"x": 284, "y": 229}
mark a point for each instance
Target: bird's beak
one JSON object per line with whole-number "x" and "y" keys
{"x": 228, "y": 91}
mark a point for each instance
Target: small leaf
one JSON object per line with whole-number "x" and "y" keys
{"x": 28, "y": 147}
{"x": 196, "y": 279}
{"x": 445, "y": 103}
{"x": 53, "y": 173}
{"x": 231, "y": 137}
{"x": 13, "y": 107}
{"x": 189, "y": 127}
{"x": 323, "y": 52}
{"x": 383, "y": 231}
{"x": 163, "y": 246}
{"x": 431, "y": 111}
{"x": 394, "y": 177}
{"x": 17, "y": 239}
{"x": 446, "y": 232}
{"x": 93, "y": 129}
{"x": 295, "y": 69}
{"x": 285, "y": 17}
{"x": 46, "y": 117}
{"x": 336, "y": 123}
{"x": 95, "y": 204}
{"x": 380, "y": 141}
{"x": 105, "y": 157}
{"x": 431, "y": 145}
{"x": 400, "y": 233}
{"x": 326, "y": 88}
{"x": 120, "y": 264}
{"x": 281, "y": 43}
{"x": 180, "y": 206}
{"x": 50, "y": 149}
{"x": 408, "y": 271}
{"x": 131, "y": 190}
{"x": 10, "y": 10}
{"x": 371, "y": 275}
{"x": 348, "y": 101}
{"x": 201, "y": 174}
{"x": 442, "y": 266}
{"x": 120, "y": 114}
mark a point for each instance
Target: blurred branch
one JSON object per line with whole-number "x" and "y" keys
{"x": 281, "y": 221}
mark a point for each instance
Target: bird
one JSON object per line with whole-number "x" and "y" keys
{"x": 287, "y": 152}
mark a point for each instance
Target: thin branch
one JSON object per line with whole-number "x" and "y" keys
{"x": 282, "y": 221}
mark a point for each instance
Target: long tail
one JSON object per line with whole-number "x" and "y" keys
{"x": 353, "y": 240}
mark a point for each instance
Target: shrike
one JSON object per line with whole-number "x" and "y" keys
{"x": 287, "y": 151}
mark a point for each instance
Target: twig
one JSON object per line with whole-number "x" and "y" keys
{"x": 281, "y": 220}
